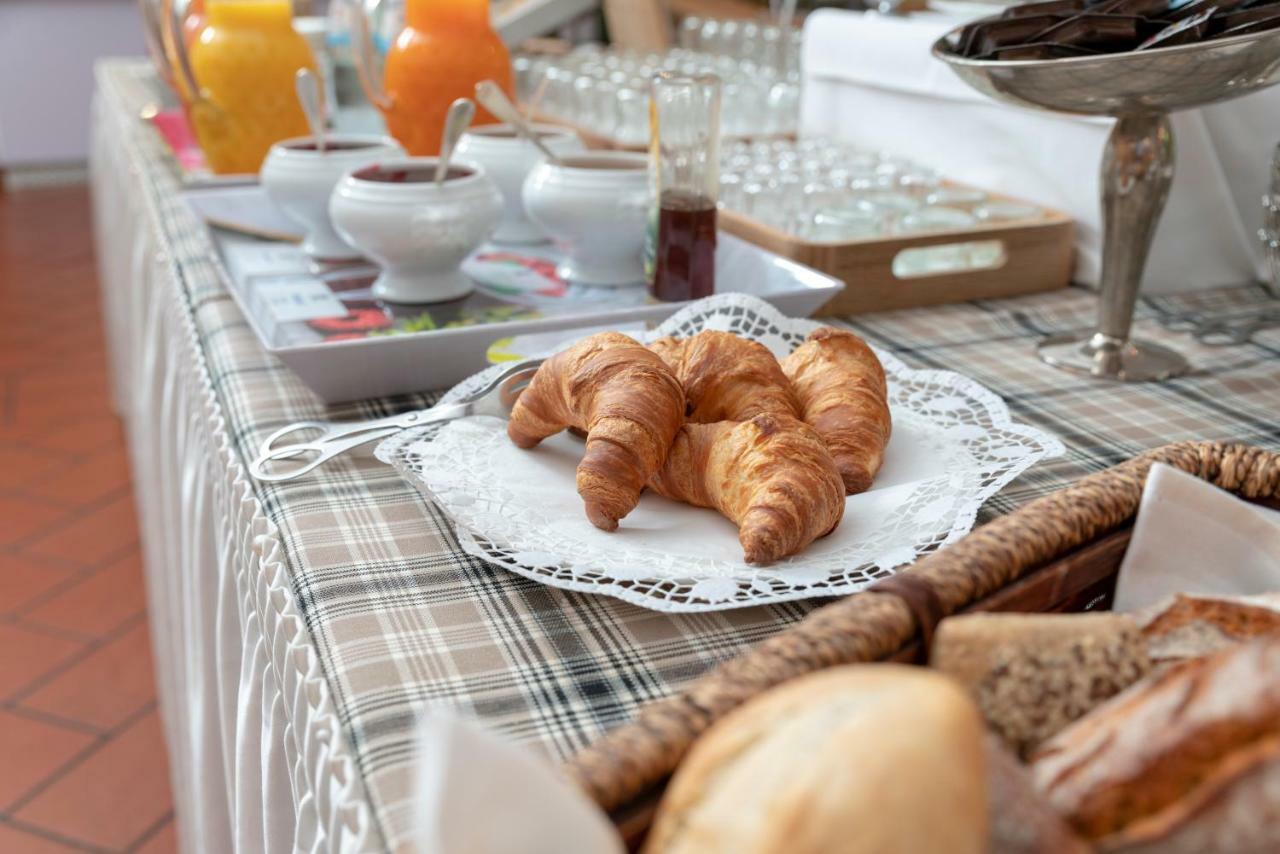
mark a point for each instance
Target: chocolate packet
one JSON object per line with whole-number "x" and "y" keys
{"x": 1105, "y": 33}
{"x": 1252, "y": 27}
{"x": 1153, "y": 9}
{"x": 1040, "y": 50}
{"x": 989, "y": 35}
{"x": 1066, "y": 8}
{"x": 1231, "y": 21}
{"x": 1187, "y": 30}
{"x": 1180, "y": 10}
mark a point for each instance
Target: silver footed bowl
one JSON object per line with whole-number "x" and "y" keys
{"x": 1160, "y": 80}
{"x": 1140, "y": 89}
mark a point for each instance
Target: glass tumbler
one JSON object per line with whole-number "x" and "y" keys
{"x": 684, "y": 167}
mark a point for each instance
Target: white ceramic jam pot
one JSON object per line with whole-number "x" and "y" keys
{"x": 300, "y": 179}
{"x": 418, "y": 232}
{"x": 595, "y": 206}
{"x": 508, "y": 158}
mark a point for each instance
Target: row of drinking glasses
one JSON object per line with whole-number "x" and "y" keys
{"x": 765, "y": 45}
{"x": 828, "y": 192}
{"x": 607, "y": 92}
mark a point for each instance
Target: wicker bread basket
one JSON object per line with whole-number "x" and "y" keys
{"x": 1056, "y": 554}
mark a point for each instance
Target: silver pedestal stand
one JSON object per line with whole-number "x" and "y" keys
{"x": 1139, "y": 90}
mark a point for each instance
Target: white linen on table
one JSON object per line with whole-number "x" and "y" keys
{"x": 258, "y": 759}
{"x": 872, "y": 80}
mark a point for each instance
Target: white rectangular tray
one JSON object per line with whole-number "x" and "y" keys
{"x": 454, "y": 340}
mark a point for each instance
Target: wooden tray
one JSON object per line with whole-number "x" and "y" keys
{"x": 1037, "y": 255}
{"x": 1059, "y": 553}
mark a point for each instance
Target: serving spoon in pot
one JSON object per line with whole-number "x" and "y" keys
{"x": 307, "y": 86}
{"x": 456, "y": 122}
{"x": 493, "y": 99}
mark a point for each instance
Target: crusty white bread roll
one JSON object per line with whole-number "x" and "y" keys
{"x": 852, "y": 760}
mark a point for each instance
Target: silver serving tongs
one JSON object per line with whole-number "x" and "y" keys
{"x": 496, "y": 399}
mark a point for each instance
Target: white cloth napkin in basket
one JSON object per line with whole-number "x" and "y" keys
{"x": 1192, "y": 537}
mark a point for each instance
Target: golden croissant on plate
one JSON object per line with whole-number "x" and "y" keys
{"x": 771, "y": 475}
{"x": 628, "y": 402}
{"x": 727, "y": 378}
{"x": 842, "y": 392}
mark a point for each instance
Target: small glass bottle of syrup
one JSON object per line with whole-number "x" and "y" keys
{"x": 684, "y": 164}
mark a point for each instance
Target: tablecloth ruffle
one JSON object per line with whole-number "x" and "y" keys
{"x": 258, "y": 757}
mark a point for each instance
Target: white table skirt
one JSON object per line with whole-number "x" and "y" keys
{"x": 258, "y": 760}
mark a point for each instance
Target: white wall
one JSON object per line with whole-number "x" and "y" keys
{"x": 47, "y": 52}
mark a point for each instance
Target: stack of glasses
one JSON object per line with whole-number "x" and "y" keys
{"x": 824, "y": 191}
{"x": 606, "y": 92}
{"x": 765, "y": 45}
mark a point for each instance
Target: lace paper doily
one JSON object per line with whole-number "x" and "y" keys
{"x": 953, "y": 447}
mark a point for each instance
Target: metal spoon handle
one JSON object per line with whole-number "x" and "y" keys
{"x": 456, "y": 122}
{"x": 307, "y": 85}
{"x": 493, "y": 99}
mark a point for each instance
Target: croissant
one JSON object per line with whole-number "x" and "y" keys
{"x": 727, "y": 378}
{"x": 771, "y": 475}
{"x": 841, "y": 388}
{"x": 626, "y": 399}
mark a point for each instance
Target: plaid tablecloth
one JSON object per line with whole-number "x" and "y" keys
{"x": 401, "y": 619}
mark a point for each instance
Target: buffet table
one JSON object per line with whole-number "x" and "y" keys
{"x": 299, "y": 627}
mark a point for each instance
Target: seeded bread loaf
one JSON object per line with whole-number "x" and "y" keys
{"x": 1032, "y": 674}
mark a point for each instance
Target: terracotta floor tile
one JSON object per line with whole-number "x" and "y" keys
{"x": 113, "y": 796}
{"x": 32, "y": 751}
{"x": 22, "y": 579}
{"x": 63, "y": 348}
{"x": 82, "y": 436}
{"x": 54, "y": 380}
{"x": 20, "y": 466}
{"x": 165, "y": 841}
{"x": 105, "y": 687}
{"x": 92, "y": 537}
{"x": 33, "y": 414}
{"x": 55, "y": 349}
{"x": 26, "y": 655}
{"x": 62, "y": 449}
{"x": 15, "y": 841}
{"x": 21, "y": 518}
{"x": 99, "y": 603}
{"x": 87, "y": 481}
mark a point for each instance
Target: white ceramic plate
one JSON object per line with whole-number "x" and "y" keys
{"x": 954, "y": 445}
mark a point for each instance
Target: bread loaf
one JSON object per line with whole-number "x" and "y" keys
{"x": 1192, "y": 626}
{"x": 851, "y": 760}
{"x": 1185, "y": 761}
{"x": 1021, "y": 820}
{"x": 1032, "y": 674}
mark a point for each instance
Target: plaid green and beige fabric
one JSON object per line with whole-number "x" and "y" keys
{"x": 403, "y": 620}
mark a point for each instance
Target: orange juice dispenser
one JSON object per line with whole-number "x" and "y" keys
{"x": 240, "y": 80}
{"x": 444, "y": 50}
